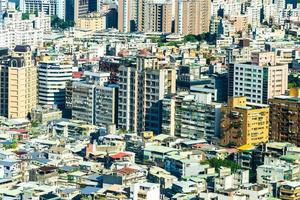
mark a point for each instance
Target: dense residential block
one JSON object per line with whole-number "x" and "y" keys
{"x": 284, "y": 118}
{"x": 95, "y": 101}
{"x": 191, "y": 116}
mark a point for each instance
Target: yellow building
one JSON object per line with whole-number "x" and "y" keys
{"x": 19, "y": 93}
{"x": 295, "y": 92}
{"x": 94, "y": 21}
{"x": 290, "y": 191}
{"x": 244, "y": 123}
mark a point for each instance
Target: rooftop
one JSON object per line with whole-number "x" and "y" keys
{"x": 160, "y": 149}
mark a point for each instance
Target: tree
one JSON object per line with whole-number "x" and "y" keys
{"x": 293, "y": 81}
{"x": 173, "y": 43}
{"x": 58, "y": 23}
{"x": 190, "y": 38}
{"x": 218, "y": 163}
{"x": 25, "y": 15}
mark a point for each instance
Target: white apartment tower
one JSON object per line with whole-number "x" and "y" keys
{"x": 52, "y": 77}
{"x": 257, "y": 83}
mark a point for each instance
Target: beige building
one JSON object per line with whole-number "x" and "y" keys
{"x": 94, "y": 21}
{"x": 263, "y": 58}
{"x": 277, "y": 80}
{"x": 155, "y": 16}
{"x": 81, "y": 7}
{"x": 240, "y": 22}
{"x": 19, "y": 83}
{"x": 192, "y": 16}
{"x": 45, "y": 114}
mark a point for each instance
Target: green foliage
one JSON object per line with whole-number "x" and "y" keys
{"x": 190, "y": 38}
{"x": 34, "y": 124}
{"x": 14, "y": 145}
{"x": 208, "y": 37}
{"x": 294, "y": 81}
{"x": 160, "y": 40}
{"x": 36, "y": 13}
{"x": 173, "y": 43}
{"x": 25, "y": 15}
{"x": 58, "y": 23}
{"x": 217, "y": 163}
{"x": 209, "y": 59}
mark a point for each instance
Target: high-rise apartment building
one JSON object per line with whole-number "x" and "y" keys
{"x": 3, "y": 5}
{"x": 128, "y": 15}
{"x": 18, "y": 83}
{"x": 257, "y": 83}
{"x": 48, "y": 7}
{"x": 192, "y": 16}
{"x": 142, "y": 88}
{"x": 52, "y": 78}
{"x": 156, "y": 16}
{"x": 61, "y": 9}
{"x": 81, "y": 7}
{"x": 284, "y": 118}
{"x": 244, "y": 123}
{"x": 191, "y": 116}
{"x": 95, "y": 101}
{"x": 254, "y": 15}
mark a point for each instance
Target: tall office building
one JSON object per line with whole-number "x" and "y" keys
{"x": 128, "y": 15}
{"x": 4, "y": 61}
{"x": 93, "y": 5}
{"x": 52, "y": 78}
{"x": 142, "y": 88}
{"x": 257, "y": 83}
{"x": 192, "y": 16}
{"x": 244, "y": 123}
{"x": 69, "y": 10}
{"x": 18, "y": 83}
{"x": 156, "y": 16}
